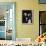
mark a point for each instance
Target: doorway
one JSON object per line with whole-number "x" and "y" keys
{"x": 42, "y": 22}
{"x": 7, "y": 21}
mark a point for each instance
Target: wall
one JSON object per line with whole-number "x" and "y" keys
{"x": 24, "y": 30}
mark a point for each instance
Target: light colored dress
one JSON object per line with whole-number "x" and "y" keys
{"x": 44, "y": 44}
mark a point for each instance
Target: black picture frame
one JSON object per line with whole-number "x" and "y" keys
{"x": 42, "y": 1}
{"x": 27, "y": 16}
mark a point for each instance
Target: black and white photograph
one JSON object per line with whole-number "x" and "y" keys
{"x": 27, "y": 16}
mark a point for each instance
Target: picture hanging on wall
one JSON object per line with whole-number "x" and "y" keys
{"x": 27, "y": 16}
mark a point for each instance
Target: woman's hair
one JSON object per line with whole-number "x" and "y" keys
{"x": 44, "y": 34}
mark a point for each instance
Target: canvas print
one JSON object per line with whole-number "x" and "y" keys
{"x": 27, "y": 16}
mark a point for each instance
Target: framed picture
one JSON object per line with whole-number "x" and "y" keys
{"x": 42, "y": 1}
{"x": 27, "y": 16}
